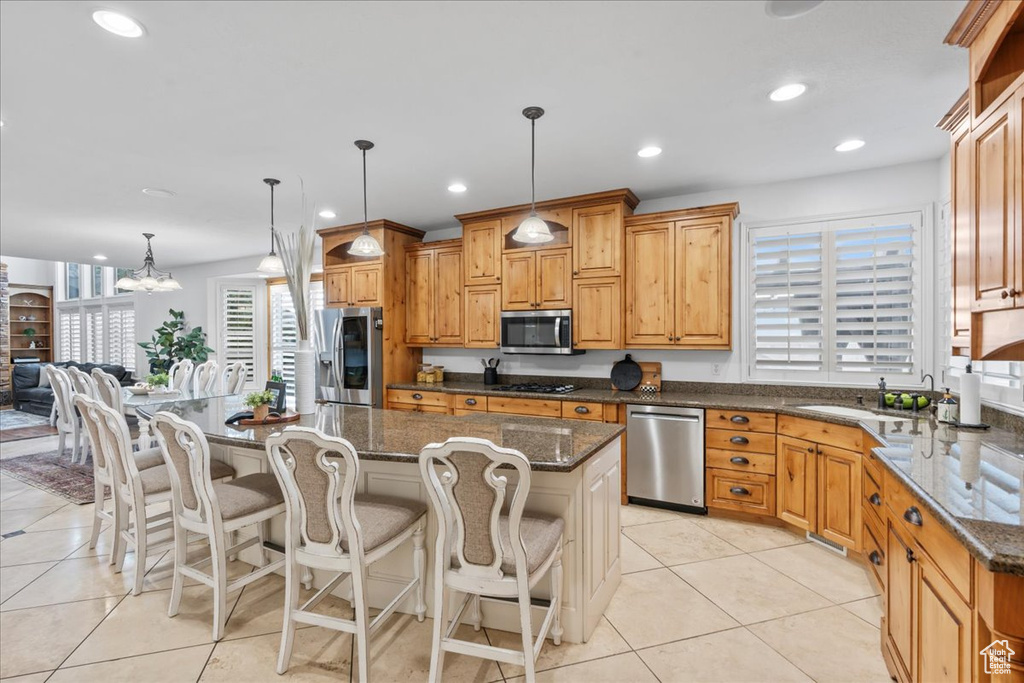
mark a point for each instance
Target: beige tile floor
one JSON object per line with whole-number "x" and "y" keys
{"x": 702, "y": 599}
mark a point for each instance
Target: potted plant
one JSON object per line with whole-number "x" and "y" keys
{"x": 173, "y": 341}
{"x": 158, "y": 381}
{"x": 260, "y": 402}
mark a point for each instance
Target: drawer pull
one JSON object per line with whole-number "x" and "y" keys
{"x": 913, "y": 515}
{"x": 739, "y": 491}
{"x": 739, "y": 460}
{"x": 875, "y": 558}
{"x": 582, "y": 410}
{"x": 417, "y": 396}
{"x": 875, "y": 499}
{"x": 470, "y": 401}
{"x": 739, "y": 419}
{"x": 740, "y": 440}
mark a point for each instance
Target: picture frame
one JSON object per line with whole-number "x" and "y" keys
{"x": 280, "y": 391}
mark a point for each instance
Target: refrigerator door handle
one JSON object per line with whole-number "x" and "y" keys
{"x": 339, "y": 357}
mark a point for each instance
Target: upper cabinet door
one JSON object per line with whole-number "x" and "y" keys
{"x": 960, "y": 216}
{"x": 554, "y": 279}
{"x": 481, "y": 243}
{"x": 483, "y": 316}
{"x": 649, "y": 285}
{"x": 339, "y": 288}
{"x": 366, "y": 285}
{"x": 447, "y": 297}
{"x": 597, "y": 241}
{"x": 703, "y": 275}
{"x": 1018, "y": 195}
{"x": 519, "y": 277}
{"x": 597, "y": 313}
{"x": 419, "y": 267}
{"x": 993, "y": 218}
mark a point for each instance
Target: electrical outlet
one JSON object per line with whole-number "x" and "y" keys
{"x": 716, "y": 369}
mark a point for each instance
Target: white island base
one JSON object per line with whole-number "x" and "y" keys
{"x": 587, "y": 498}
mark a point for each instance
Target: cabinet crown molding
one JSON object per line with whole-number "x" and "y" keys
{"x": 956, "y": 114}
{"x": 624, "y": 195}
{"x": 732, "y": 209}
{"x": 378, "y": 224}
{"x": 970, "y": 22}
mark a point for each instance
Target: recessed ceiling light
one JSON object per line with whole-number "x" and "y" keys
{"x": 456, "y": 187}
{"x": 157, "y": 192}
{"x": 327, "y": 213}
{"x": 789, "y": 91}
{"x": 117, "y": 23}
{"x": 788, "y": 9}
{"x": 100, "y": 257}
{"x": 849, "y": 145}
{"x": 649, "y": 152}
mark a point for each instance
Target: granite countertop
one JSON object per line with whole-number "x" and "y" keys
{"x": 971, "y": 480}
{"x": 399, "y": 436}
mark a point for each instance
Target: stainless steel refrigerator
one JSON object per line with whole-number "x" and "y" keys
{"x": 350, "y": 345}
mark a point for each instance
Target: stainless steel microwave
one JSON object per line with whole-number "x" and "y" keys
{"x": 538, "y": 332}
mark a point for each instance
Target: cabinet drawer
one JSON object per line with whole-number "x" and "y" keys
{"x": 533, "y": 407}
{"x": 417, "y": 397}
{"x": 742, "y": 442}
{"x": 477, "y": 402}
{"x": 415, "y": 408}
{"x": 741, "y": 421}
{"x": 952, "y": 559}
{"x": 874, "y": 552}
{"x": 874, "y": 502}
{"x": 760, "y": 463}
{"x": 848, "y": 438}
{"x": 740, "y": 491}
{"x": 871, "y": 460}
{"x": 575, "y": 410}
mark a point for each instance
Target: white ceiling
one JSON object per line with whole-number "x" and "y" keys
{"x": 219, "y": 95}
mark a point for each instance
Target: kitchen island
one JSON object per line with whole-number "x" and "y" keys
{"x": 575, "y": 470}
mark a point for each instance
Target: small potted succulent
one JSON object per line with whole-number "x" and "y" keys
{"x": 260, "y": 402}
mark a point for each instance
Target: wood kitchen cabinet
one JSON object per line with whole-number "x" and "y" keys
{"x": 679, "y": 278}
{"x": 434, "y": 308}
{"x": 597, "y": 313}
{"x": 796, "y": 476}
{"x": 597, "y": 241}
{"x": 354, "y": 286}
{"x": 536, "y": 280}
{"x": 483, "y": 317}
{"x": 898, "y": 624}
{"x": 481, "y": 252}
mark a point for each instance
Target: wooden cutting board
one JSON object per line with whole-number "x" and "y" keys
{"x": 651, "y": 376}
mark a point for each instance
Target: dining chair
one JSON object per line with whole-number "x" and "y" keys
{"x": 65, "y": 419}
{"x": 214, "y": 511}
{"x": 328, "y": 526}
{"x": 180, "y": 374}
{"x": 234, "y": 378}
{"x": 108, "y": 390}
{"x": 204, "y": 377}
{"x": 483, "y": 552}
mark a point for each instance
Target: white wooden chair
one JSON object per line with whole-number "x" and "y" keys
{"x": 66, "y": 420}
{"x": 180, "y": 374}
{"x": 82, "y": 383}
{"x": 330, "y": 527}
{"x": 136, "y": 489}
{"x": 234, "y": 378}
{"x": 482, "y": 552}
{"x": 204, "y": 377}
{"x": 108, "y": 390}
{"x": 103, "y": 472}
{"x": 212, "y": 510}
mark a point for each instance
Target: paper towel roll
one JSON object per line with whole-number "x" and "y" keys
{"x": 970, "y": 398}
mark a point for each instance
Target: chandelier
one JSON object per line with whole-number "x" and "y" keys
{"x": 148, "y": 278}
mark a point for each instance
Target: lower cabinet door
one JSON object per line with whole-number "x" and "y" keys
{"x": 796, "y": 463}
{"x": 899, "y": 599}
{"x": 943, "y": 625}
{"x": 839, "y": 491}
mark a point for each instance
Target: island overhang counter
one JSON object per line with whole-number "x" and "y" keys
{"x": 575, "y": 470}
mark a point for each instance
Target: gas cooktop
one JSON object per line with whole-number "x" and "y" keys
{"x": 538, "y": 388}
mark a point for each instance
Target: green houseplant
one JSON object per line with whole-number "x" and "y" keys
{"x": 174, "y": 341}
{"x": 260, "y": 402}
{"x": 158, "y": 379}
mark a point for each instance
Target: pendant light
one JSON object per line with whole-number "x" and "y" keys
{"x": 271, "y": 263}
{"x": 148, "y": 278}
{"x": 534, "y": 230}
{"x": 365, "y": 244}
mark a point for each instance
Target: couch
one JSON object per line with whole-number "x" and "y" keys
{"x": 30, "y": 397}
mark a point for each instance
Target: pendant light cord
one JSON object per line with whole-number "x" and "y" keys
{"x": 366, "y": 226}
{"x": 271, "y": 219}
{"x": 533, "y": 167}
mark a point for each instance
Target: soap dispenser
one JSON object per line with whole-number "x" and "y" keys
{"x": 948, "y": 409}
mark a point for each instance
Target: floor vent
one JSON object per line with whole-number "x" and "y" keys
{"x": 825, "y": 543}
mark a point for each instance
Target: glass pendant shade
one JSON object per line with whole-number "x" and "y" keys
{"x": 271, "y": 263}
{"x": 366, "y": 245}
{"x": 169, "y": 284}
{"x": 127, "y": 283}
{"x": 533, "y": 230}
{"x": 148, "y": 283}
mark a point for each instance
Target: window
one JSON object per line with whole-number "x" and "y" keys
{"x": 283, "y": 331}
{"x": 70, "y": 336}
{"x": 96, "y": 278}
{"x": 237, "y": 338}
{"x": 72, "y": 285}
{"x": 118, "y": 274}
{"x": 94, "y": 327}
{"x": 94, "y": 351}
{"x": 833, "y": 301}
{"x": 121, "y": 329}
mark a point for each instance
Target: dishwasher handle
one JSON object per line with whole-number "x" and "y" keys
{"x": 665, "y": 416}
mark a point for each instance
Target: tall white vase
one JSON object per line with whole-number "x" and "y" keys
{"x": 305, "y": 379}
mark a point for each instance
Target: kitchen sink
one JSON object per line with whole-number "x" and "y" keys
{"x": 854, "y": 413}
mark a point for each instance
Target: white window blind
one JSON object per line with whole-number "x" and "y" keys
{"x": 121, "y": 337}
{"x": 283, "y": 330}
{"x": 834, "y": 301}
{"x": 94, "y": 350}
{"x": 238, "y": 326}
{"x": 70, "y": 336}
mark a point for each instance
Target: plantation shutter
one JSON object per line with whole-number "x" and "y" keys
{"x": 874, "y": 297}
{"x": 787, "y": 297}
{"x": 284, "y": 331}
{"x": 94, "y": 352}
{"x": 121, "y": 330}
{"x": 70, "y": 336}
{"x": 238, "y": 327}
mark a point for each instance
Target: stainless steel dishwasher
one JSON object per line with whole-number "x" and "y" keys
{"x": 665, "y": 457}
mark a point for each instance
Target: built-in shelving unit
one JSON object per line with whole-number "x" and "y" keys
{"x": 31, "y": 308}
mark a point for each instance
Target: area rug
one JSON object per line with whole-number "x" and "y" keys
{"x": 53, "y": 473}
{"x": 16, "y": 425}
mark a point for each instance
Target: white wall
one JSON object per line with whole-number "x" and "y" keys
{"x": 29, "y": 271}
{"x": 907, "y": 185}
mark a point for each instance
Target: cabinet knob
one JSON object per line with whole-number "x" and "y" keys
{"x": 470, "y": 401}
{"x": 810, "y": 449}
{"x": 910, "y": 555}
{"x": 875, "y": 558}
{"x": 913, "y": 515}
{"x": 739, "y": 419}
{"x": 497, "y": 278}
{"x": 741, "y": 440}
{"x": 670, "y": 337}
{"x": 678, "y": 338}
{"x": 582, "y": 410}
{"x": 739, "y": 491}
{"x": 1005, "y": 294}
{"x": 739, "y": 460}
{"x": 875, "y": 499}
{"x": 417, "y": 397}
{"x": 1015, "y": 292}
{"x": 575, "y": 272}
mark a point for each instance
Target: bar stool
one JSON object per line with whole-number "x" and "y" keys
{"x": 135, "y": 489}
{"x": 212, "y": 510}
{"x": 103, "y": 472}
{"x": 330, "y": 527}
{"x": 482, "y": 552}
